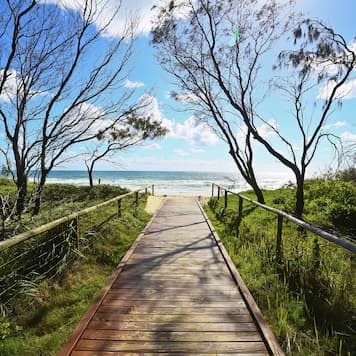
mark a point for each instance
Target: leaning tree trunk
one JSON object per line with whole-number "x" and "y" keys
{"x": 258, "y": 192}
{"x": 254, "y": 185}
{"x": 90, "y": 176}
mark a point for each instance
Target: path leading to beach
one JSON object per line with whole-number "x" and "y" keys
{"x": 174, "y": 292}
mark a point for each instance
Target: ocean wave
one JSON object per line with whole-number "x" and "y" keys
{"x": 166, "y": 183}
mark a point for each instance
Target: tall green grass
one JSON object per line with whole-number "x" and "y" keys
{"x": 43, "y": 318}
{"x": 309, "y": 296}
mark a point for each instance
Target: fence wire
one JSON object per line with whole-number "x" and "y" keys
{"x": 46, "y": 255}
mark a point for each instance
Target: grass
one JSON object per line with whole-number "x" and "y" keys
{"x": 41, "y": 322}
{"x": 309, "y": 299}
{"x": 58, "y": 200}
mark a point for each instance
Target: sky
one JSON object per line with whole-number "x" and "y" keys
{"x": 192, "y": 146}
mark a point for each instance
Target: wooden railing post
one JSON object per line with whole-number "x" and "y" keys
{"x": 119, "y": 208}
{"x": 218, "y": 192}
{"x": 153, "y": 189}
{"x": 136, "y": 199}
{"x": 146, "y": 191}
{"x": 279, "y": 240}
{"x": 225, "y": 202}
{"x": 212, "y": 189}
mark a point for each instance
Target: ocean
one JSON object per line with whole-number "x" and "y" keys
{"x": 169, "y": 183}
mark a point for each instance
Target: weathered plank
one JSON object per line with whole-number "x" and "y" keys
{"x": 181, "y": 336}
{"x": 181, "y": 318}
{"x": 126, "y": 353}
{"x": 174, "y": 294}
{"x": 169, "y": 346}
{"x": 175, "y": 326}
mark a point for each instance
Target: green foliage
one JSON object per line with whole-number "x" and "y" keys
{"x": 41, "y": 323}
{"x": 309, "y": 298}
{"x": 331, "y": 203}
{"x": 57, "y": 200}
{"x": 347, "y": 175}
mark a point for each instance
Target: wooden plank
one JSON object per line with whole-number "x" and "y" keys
{"x": 75, "y": 336}
{"x": 169, "y": 318}
{"x": 174, "y": 295}
{"x": 181, "y": 336}
{"x": 176, "y": 291}
{"x": 173, "y": 303}
{"x": 156, "y": 326}
{"x": 143, "y": 295}
{"x": 126, "y": 353}
{"x": 172, "y": 284}
{"x": 255, "y": 310}
{"x": 143, "y": 346}
{"x": 156, "y": 309}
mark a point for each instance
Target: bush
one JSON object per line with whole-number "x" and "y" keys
{"x": 331, "y": 203}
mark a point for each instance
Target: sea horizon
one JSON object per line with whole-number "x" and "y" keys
{"x": 192, "y": 183}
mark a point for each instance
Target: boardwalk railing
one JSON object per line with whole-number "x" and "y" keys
{"x": 44, "y": 251}
{"x": 280, "y": 216}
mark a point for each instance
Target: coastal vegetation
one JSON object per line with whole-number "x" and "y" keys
{"x": 227, "y": 82}
{"x": 307, "y": 294}
{"x": 40, "y": 320}
{"x": 62, "y": 85}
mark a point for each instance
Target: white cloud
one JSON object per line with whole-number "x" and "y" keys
{"x": 197, "y": 150}
{"x": 267, "y": 129}
{"x": 10, "y": 88}
{"x": 86, "y": 115}
{"x": 183, "y": 97}
{"x": 182, "y": 153}
{"x": 336, "y": 125}
{"x": 151, "y": 108}
{"x": 346, "y": 91}
{"x": 132, "y": 85}
{"x": 348, "y": 136}
{"x": 195, "y": 133}
{"x": 153, "y": 147}
{"x": 140, "y": 10}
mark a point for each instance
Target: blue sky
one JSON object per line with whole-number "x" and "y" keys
{"x": 192, "y": 146}
{"x": 185, "y": 149}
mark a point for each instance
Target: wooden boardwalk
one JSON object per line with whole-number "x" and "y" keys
{"x": 175, "y": 292}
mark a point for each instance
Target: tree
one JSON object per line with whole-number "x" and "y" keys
{"x": 133, "y": 132}
{"x": 214, "y": 49}
{"x": 61, "y": 78}
{"x": 194, "y": 49}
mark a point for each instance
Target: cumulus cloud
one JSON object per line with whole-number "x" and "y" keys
{"x": 336, "y": 125}
{"x": 346, "y": 91}
{"x": 267, "y": 129}
{"x": 150, "y": 107}
{"x": 132, "y": 85}
{"x": 10, "y": 88}
{"x": 195, "y": 133}
{"x": 153, "y": 147}
{"x": 183, "y": 97}
{"x": 140, "y": 10}
{"x": 182, "y": 153}
{"x": 348, "y": 136}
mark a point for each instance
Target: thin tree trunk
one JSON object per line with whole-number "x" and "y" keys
{"x": 90, "y": 176}
{"x": 21, "y": 184}
{"x": 299, "y": 201}
{"x": 39, "y": 191}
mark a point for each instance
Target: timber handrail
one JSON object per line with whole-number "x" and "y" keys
{"x": 281, "y": 214}
{"x": 43, "y": 228}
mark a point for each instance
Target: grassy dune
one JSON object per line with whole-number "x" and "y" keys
{"x": 43, "y": 319}
{"x": 310, "y": 298}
